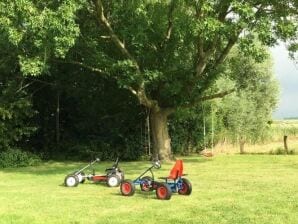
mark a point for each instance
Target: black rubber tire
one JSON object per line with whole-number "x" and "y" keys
{"x": 71, "y": 180}
{"x": 186, "y": 187}
{"x": 163, "y": 191}
{"x": 127, "y": 188}
{"x": 146, "y": 186}
{"x": 113, "y": 180}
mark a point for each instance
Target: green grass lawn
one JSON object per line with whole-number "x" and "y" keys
{"x": 226, "y": 189}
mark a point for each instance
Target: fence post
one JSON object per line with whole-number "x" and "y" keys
{"x": 285, "y": 143}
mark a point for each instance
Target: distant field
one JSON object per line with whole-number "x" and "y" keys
{"x": 267, "y": 147}
{"x": 284, "y": 127}
{"x": 226, "y": 189}
{"x": 273, "y": 141}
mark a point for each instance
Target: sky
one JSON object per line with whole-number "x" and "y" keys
{"x": 286, "y": 72}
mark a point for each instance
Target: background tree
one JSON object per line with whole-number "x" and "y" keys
{"x": 15, "y": 113}
{"x": 96, "y": 118}
{"x": 246, "y": 113}
{"x": 241, "y": 117}
{"x": 15, "y": 102}
{"x": 166, "y": 53}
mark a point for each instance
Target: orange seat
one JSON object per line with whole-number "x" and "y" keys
{"x": 176, "y": 171}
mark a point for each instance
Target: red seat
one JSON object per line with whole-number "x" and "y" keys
{"x": 176, "y": 171}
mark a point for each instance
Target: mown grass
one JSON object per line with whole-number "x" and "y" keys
{"x": 226, "y": 189}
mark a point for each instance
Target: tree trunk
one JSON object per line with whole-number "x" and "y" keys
{"x": 160, "y": 135}
{"x": 242, "y": 142}
{"x": 58, "y": 119}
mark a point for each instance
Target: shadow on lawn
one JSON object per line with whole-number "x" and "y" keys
{"x": 131, "y": 169}
{"x": 65, "y": 168}
{"x": 197, "y": 159}
{"x": 138, "y": 194}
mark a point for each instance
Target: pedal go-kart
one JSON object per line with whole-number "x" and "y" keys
{"x": 175, "y": 180}
{"x": 113, "y": 176}
{"x": 147, "y": 183}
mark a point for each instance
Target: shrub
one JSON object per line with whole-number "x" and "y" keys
{"x": 282, "y": 151}
{"x": 18, "y": 158}
{"x": 125, "y": 148}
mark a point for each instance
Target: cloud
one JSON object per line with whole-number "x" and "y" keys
{"x": 287, "y": 74}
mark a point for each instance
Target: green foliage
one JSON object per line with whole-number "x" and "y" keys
{"x": 39, "y": 30}
{"x": 240, "y": 116}
{"x": 127, "y": 149}
{"x": 18, "y": 158}
{"x": 96, "y": 118}
{"x": 247, "y": 112}
{"x": 127, "y": 74}
{"x": 187, "y": 129}
{"x": 15, "y": 113}
{"x": 32, "y": 66}
{"x": 170, "y": 53}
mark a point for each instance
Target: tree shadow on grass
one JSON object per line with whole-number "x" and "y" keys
{"x": 198, "y": 159}
{"x": 87, "y": 182}
{"x": 42, "y": 169}
{"x": 131, "y": 169}
{"x": 65, "y": 168}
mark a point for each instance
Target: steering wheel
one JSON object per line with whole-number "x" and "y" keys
{"x": 156, "y": 164}
{"x": 116, "y": 163}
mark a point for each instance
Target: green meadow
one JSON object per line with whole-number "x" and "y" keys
{"x": 226, "y": 189}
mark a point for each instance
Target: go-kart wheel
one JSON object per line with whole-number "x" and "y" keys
{"x": 71, "y": 180}
{"x": 127, "y": 188}
{"x": 163, "y": 191}
{"x": 186, "y": 187}
{"x": 146, "y": 184}
{"x": 113, "y": 180}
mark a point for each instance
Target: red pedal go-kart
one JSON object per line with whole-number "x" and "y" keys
{"x": 147, "y": 183}
{"x": 113, "y": 176}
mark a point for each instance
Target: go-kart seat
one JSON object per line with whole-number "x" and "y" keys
{"x": 176, "y": 171}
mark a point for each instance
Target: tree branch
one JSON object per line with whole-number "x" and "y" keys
{"x": 81, "y": 64}
{"x": 24, "y": 87}
{"x": 170, "y": 23}
{"x": 140, "y": 92}
{"x": 216, "y": 95}
{"x": 116, "y": 40}
{"x": 226, "y": 50}
{"x": 144, "y": 100}
{"x": 209, "y": 97}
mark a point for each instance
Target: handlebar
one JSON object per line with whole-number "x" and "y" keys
{"x": 156, "y": 164}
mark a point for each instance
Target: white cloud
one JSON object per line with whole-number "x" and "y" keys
{"x": 287, "y": 74}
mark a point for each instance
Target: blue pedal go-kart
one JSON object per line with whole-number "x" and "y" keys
{"x": 147, "y": 183}
{"x": 176, "y": 181}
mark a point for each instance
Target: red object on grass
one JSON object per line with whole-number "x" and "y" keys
{"x": 177, "y": 170}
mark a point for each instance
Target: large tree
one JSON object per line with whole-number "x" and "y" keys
{"x": 166, "y": 52}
